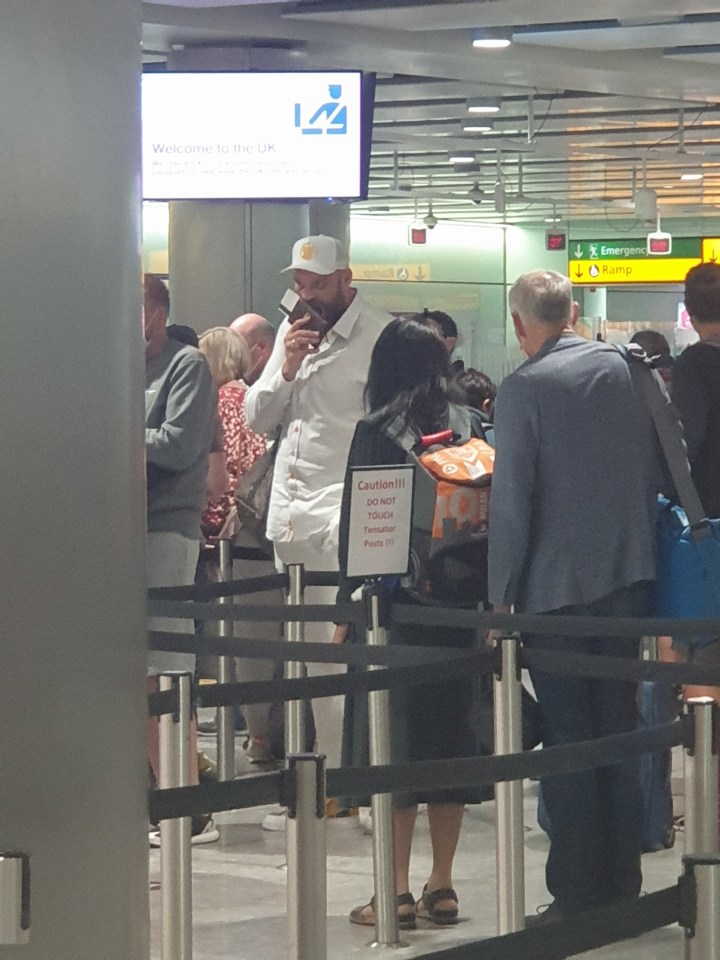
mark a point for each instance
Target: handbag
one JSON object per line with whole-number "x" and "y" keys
{"x": 688, "y": 543}
{"x": 252, "y": 499}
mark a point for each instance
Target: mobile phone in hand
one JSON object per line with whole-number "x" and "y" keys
{"x": 294, "y": 307}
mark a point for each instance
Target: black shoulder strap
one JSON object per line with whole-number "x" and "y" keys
{"x": 669, "y": 430}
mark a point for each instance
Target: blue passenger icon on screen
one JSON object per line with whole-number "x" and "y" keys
{"x": 329, "y": 117}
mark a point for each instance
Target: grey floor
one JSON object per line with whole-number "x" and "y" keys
{"x": 239, "y": 887}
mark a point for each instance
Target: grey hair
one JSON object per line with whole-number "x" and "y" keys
{"x": 543, "y": 295}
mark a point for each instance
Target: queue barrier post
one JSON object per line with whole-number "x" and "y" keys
{"x": 226, "y": 674}
{"x": 386, "y": 921}
{"x": 702, "y": 938}
{"x": 509, "y": 849}
{"x": 175, "y": 835}
{"x": 307, "y": 859}
{"x": 701, "y": 780}
{"x": 295, "y": 669}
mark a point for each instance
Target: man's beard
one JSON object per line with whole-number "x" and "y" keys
{"x": 330, "y": 312}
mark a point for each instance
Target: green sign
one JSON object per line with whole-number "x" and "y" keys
{"x": 636, "y": 249}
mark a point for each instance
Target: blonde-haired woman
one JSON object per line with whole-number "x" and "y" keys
{"x": 228, "y": 357}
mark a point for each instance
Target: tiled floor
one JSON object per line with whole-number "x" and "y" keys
{"x": 239, "y": 888}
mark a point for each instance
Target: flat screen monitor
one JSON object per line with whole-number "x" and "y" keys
{"x": 256, "y": 136}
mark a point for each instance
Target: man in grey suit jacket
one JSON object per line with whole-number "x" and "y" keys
{"x": 572, "y": 519}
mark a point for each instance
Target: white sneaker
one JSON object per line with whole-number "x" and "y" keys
{"x": 275, "y": 821}
{"x": 203, "y": 831}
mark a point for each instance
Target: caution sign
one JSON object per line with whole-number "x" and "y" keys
{"x": 380, "y": 520}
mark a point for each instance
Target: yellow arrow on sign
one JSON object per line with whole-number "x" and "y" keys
{"x": 613, "y": 272}
{"x": 711, "y": 249}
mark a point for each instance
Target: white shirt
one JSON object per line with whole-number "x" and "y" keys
{"x": 317, "y": 412}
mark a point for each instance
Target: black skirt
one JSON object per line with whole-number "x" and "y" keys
{"x": 428, "y": 721}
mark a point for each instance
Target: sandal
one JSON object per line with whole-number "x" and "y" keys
{"x": 365, "y": 915}
{"x": 426, "y": 908}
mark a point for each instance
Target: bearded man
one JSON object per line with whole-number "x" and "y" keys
{"x": 312, "y": 388}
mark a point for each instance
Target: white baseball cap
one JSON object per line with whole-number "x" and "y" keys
{"x": 321, "y": 255}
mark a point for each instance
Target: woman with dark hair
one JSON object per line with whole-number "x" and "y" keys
{"x": 409, "y": 389}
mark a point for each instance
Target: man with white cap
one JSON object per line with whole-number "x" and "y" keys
{"x": 312, "y": 387}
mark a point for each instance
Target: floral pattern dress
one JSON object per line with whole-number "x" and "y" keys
{"x": 242, "y": 448}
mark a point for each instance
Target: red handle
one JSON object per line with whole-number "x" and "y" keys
{"x": 445, "y": 436}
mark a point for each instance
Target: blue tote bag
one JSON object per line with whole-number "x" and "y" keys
{"x": 688, "y": 544}
{"x": 688, "y": 572}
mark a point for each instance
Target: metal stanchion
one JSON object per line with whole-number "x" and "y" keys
{"x": 226, "y": 674}
{"x": 175, "y": 835}
{"x": 701, "y": 780}
{"x": 702, "y": 939}
{"x": 295, "y": 669}
{"x": 306, "y": 859}
{"x": 509, "y": 849}
{"x": 385, "y": 902}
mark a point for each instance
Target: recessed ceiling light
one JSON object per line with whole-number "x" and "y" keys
{"x": 461, "y": 156}
{"x": 691, "y": 176}
{"x": 483, "y": 105}
{"x": 492, "y": 39}
{"x": 478, "y": 126}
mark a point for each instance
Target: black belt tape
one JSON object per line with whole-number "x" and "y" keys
{"x": 359, "y": 654}
{"x": 180, "y": 602}
{"x": 464, "y": 772}
{"x": 471, "y": 771}
{"x": 239, "y": 794}
{"x": 556, "y": 626}
{"x": 618, "y": 668}
{"x": 584, "y": 932}
{"x": 198, "y": 592}
{"x": 565, "y": 663}
{"x": 252, "y": 613}
{"x": 308, "y": 688}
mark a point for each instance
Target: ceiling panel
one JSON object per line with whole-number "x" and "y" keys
{"x": 590, "y": 109}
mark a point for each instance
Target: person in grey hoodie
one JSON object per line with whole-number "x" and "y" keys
{"x": 179, "y": 409}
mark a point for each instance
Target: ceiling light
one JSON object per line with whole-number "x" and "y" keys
{"x": 554, "y": 219}
{"x": 691, "y": 176}
{"x": 478, "y": 126}
{"x": 492, "y": 39}
{"x": 483, "y": 105}
{"x": 462, "y": 156}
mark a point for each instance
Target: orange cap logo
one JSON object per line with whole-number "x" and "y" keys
{"x": 307, "y": 251}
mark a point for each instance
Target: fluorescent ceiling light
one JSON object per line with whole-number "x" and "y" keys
{"x": 461, "y": 156}
{"x": 483, "y": 105}
{"x": 691, "y": 176}
{"x": 477, "y": 126}
{"x": 492, "y": 39}
{"x": 556, "y": 219}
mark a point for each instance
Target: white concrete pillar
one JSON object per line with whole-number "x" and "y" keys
{"x": 72, "y": 703}
{"x": 595, "y": 309}
{"x": 225, "y": 258}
